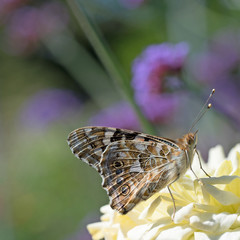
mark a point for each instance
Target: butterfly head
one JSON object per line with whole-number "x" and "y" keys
{"x": 191, "y": 139}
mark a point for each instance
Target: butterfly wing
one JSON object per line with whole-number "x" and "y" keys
{"x": 89, "y": 143}
{"x": 133, "y": 170}
{"x": 133, "y": 165}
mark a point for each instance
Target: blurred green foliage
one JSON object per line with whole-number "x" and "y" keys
{"x": 45, "y": 193}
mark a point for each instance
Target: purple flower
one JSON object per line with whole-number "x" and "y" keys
{"x": 54, "y": 18}
{"x": 155, "y": 72}
{"x": 28, "y": 25}
{"x": 22, "y": 33}
{"x": 160, "y": 107}
{"x": 48, "y": 106}
{"x": 7, "y": 6}
{"x": 219, "y": 68}
{"x": 119, "y": 115}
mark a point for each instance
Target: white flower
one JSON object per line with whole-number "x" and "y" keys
{"x": 206, "y": 209}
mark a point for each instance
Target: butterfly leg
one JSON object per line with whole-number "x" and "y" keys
{"x": 190, "y": 166}
{"x": 174, "y": 205}
{"x": 201, "y": 163}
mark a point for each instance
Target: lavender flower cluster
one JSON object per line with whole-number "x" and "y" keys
{"x": 26, "y": 26}
{"x": 49, "y": 106}
{"x": 153, "y": 73}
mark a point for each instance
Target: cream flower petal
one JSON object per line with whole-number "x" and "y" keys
{"x": 216, "y": 155}
{"x": 208, "y": 208}
{"x": 223, "y": 197}
{"x": 152, "y": 233}
{"x": 201, "y": 236}
{"x": 111, "y": 233}
{"x": 156, "y": 228}
{"x": 236, "y": 224}
{"x": 176, "y": 233}
{"x": 213, "y": 223}
{"x": 148, "y": 211}
{"x": 236, "y": 165}
{"x": 224, "y": 169}
{"x": 218, "y": 180}
{"x": 232, "y": 154}
{"x": 183, "y": 212}
{"x": 138, "y": 232}
{"x": 97, "y": 230}
{"x": 231, "y": 235}
{"x": 120, "y": 235}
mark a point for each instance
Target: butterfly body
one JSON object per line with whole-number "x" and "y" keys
{"x": 133, "y": 165}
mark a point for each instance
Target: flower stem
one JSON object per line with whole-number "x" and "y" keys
{"x": 109, "y": 61}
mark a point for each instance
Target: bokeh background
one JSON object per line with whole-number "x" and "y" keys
{"x": 169, "y": 55}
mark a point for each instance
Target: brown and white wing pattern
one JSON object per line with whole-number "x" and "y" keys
{"x": 89, "y": 143}
{"x": 133, "y": 170}
{"x": 133, "y": 165}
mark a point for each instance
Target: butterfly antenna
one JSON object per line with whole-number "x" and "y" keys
{"x": 203, "y": 110}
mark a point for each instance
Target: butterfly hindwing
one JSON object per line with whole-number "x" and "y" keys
{"x": 133, "y": 170}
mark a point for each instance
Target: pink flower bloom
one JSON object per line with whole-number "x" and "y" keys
{"x": 7, "y": 6}
{"x": 22, "y": 33}
{"x": 155, "y": 72}
{"x": 120, "y": 115}
{"x": 159, "y": 107}
{"x": 49, "y": 106}
{"x": 28, "y": 25}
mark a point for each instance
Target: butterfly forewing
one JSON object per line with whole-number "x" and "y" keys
{"x": 88, "y": 143}
{"x": 133, "y": 165}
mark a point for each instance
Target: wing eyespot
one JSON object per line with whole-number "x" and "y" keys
{"x": 118, "y": 164}
{"x": 125, "y": 189}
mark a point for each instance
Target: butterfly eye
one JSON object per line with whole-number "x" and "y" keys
{"x": 118, "y": 164}
{"x": 190, "y": 141}
{"x": 125, "y": 189}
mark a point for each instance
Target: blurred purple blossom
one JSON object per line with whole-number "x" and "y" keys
{"x": 7, "y": 6}
{"x": 155, "y": 72}
{"x": 120, "y": 115}
{"x": 131, "y": 3}
{"x": 48, "y": 106}
{"x": 219, "y": 67}
{"x": 28, "y": 25}
{"x": 160, "y": 107}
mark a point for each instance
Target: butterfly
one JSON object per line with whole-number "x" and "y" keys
{"x": 133, "y": 165}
